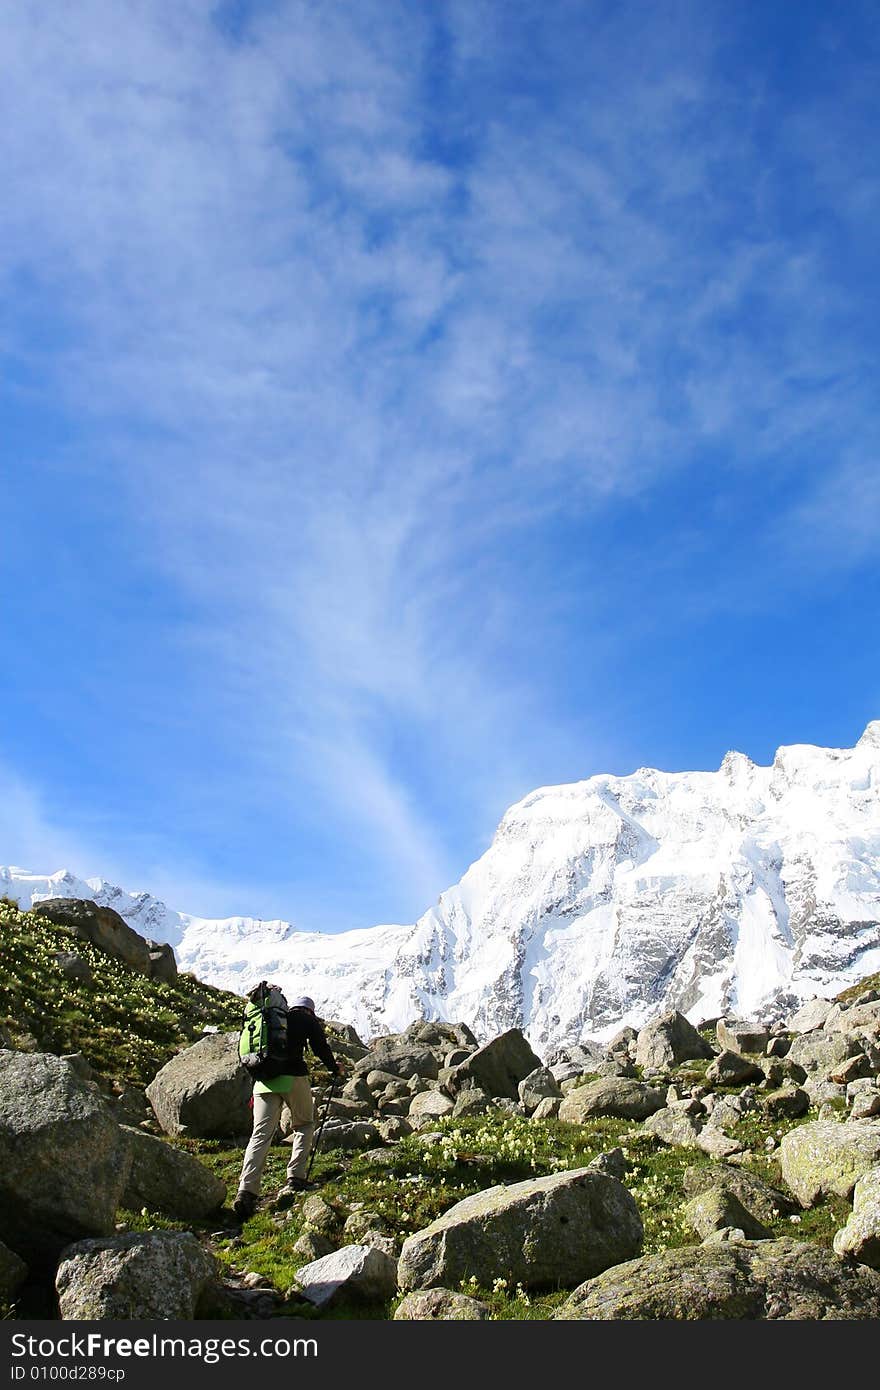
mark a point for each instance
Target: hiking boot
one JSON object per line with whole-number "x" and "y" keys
{"x": 245, "y": 1205}
{"x": 292, "y": 1189}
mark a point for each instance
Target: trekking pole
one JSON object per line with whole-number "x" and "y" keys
{"x": 333, "y": 1081}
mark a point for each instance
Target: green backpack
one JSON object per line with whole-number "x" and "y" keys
{"x": 262, "y": 1043}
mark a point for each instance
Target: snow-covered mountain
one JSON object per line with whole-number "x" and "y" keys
{"x": 598, "y": 903}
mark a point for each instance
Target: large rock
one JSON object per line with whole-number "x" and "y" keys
{"x": 141, "y": 1275}
{"x": 819, "y": 1051}
{"x": 731, "y": 1069}
{"x": 203, "y": 1092}
{"x": 540, "y": 1233}
{"x": 669, "y": 1041}
{"x": 358, "y": 1272}
{"x": 856, "y": 1019}
{"x": 675, "y": 1128}
{"x": 769, "y": 1279}
{"x": 429, "y": 1103}
{"x": 163, "y": 965}
{"x": 809, "y": 1016}
{"x": 103, "y": 926}
{"x": 440, "y": 1305}
{"x": 824, "y": 1157}
{"x": 537, "y": 1086}
{"x": 860, "y": 1237}
{"x": 167, "y": 1180}
{"x": 63, "y": 1158}
{"x": 718, "y": 1210}
{"x": 339, "y": 1134}
{"x": 498, "y": 1067}
{"x": 611, "y": 1095}
{"x": 433, "y": 1033}
{"x": 400, "y": 1062}
{"x": 736, "y": 1036}
{"x": 764, "y": 1201}
{"x": 13, "y": 1272}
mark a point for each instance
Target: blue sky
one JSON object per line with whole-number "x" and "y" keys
{"x": 407, "y": 405}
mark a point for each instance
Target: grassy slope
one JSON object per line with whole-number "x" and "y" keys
{"x": 128, "y": 1026}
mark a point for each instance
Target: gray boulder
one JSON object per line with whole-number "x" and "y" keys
{"x": 675, "y": 1128}
{"x": 400, "y": 1063}
{"x": 669, "y": 1041}
{"x": 102, "y": 926}
{"x": 473, "y": 1101}
{"x": 498, "y": 1067}
{"x": 313, "y": 1245}
{"x": 63, "y": 1158}
{"x": 540, "y": 1233}
{"x": 718, "y": 1209}
{"x": 783, "y": 1280}
{"x": 731, "y": 1069}
{"x": 537, "y": 1086}
{"x": 433, "y": 1033}
{"x": 203, "y": 1092}
{"x": 74, "y": 968}
{"x": 429, "y": 1105}
{"x": 357, "y": 1272}
{"x": 824, "y": 1157}
{"x": 13, "y": 1272}
{"x": 860, "y": 1237}
{"x": 168, "y": 1180}
{"x": 615, "y": 1096}
{"x": 788, "y": 1103}
{"x": 736, "y": 1036}
{"x": 440, "y": 1305}
{"x": 163, "y": 965}
{"x": 809, "y": 1016}
{"x": 819, "y": 1051}
{"x": 761, "y": 1199}
{"x": 141, "y": 1275}
{"x": 339, "y": 1134}
{"x": 547, "y": 1109}
{"x": 855, "y": 1019}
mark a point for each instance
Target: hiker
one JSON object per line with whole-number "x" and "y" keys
{"x": 293, "y": 1090}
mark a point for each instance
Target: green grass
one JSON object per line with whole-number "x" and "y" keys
{"x": 126, "y": 1025}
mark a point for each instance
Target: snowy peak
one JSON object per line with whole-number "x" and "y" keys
{"x": 598, "y": 903}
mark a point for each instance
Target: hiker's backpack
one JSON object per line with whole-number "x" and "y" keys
{"x": 262, "y": 1043}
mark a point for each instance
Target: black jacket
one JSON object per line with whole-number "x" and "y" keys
{"x": 304, "y": 1028}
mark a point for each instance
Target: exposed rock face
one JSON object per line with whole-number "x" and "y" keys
{"x": 204, "y": 1091}
{"x": 359, "y": 1272}
{"x": 339, "y": 1134}
{"x": 140, "y": 1275}
{"x": 167, "y": 1180}
{"x": 668, "y": 1041}
{"x": 675, "y": 1128}
{"x": 538, "y": 1233}
{"x": 860, "y": 1237}
{"x": 440, "y": 1305}
{"x": 74, "y": 968}
{"x": 498, "y": 1067}
{"x": 768, "y": 1279}
{"x": 102, "y": 926}
{"x": 611, "y": 1095}
{"x": 809, "y": 1016}
{"x": 63, "y": 1158}
{"x": 818, "y": 1051}
{"x": 817, "y": 1159}
{"x": 399, "y": 1062}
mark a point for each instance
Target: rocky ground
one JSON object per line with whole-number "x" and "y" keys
{"x": 730, "y": 1171}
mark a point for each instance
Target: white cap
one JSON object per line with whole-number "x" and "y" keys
{"x": 304, "y": 1002}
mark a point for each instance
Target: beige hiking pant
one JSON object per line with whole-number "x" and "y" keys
{"x": 268, "y": 1106}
